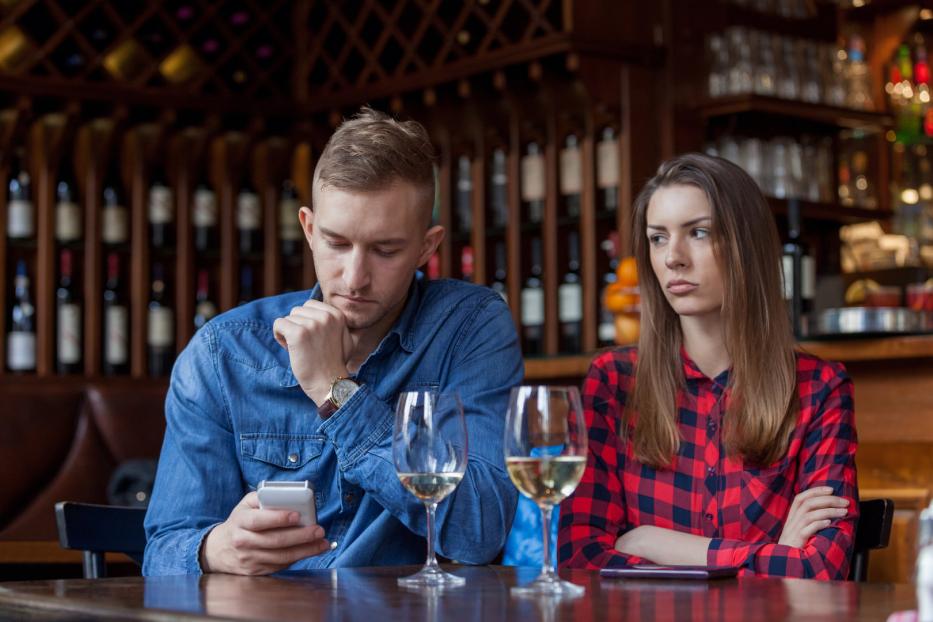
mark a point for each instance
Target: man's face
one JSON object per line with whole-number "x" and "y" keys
{"x": 367, "y": 246}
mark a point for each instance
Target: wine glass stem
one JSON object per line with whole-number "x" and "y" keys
{"x": 547, "y": 569}
{"x": 432, "y": 560}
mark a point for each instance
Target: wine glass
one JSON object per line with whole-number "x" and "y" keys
{"x": 545, "y": 454}
{"x": 429, "y": 447}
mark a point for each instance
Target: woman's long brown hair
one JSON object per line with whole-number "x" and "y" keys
{"x": 762, "y": 407}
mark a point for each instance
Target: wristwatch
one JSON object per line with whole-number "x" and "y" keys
{"x": 341, "y": 390}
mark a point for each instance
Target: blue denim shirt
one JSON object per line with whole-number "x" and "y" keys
{"x": 235, "y": 415}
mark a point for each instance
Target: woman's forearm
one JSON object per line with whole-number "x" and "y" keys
{"x": 664, "y": 546}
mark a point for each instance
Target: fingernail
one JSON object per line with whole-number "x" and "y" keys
{"x": 845, "y": 501}
{"x": 293, "y": 517}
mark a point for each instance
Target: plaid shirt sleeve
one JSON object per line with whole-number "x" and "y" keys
{"x": 594, "y": 516}
{"x": 827, "y": 458}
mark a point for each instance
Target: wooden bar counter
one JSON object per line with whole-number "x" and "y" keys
{"x": 371, "y": 594}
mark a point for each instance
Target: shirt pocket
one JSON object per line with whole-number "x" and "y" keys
{"x": 766, "y": 497}
{"x": 283, "y": 457}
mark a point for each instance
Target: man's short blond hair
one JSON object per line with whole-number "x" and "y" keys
{"x": 372, "y": 151}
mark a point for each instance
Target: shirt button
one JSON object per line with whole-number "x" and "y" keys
{"x": 348, "y": 497}
{"x": 293, "y": 458}
{"x": 711, "y": 470}
{"x": 709, "y": 517}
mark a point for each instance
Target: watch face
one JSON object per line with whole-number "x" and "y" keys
{"x": 343, "y": 390}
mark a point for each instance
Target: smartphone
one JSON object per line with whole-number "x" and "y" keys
{"x": 294, "y": 496}
{"x": 651, "y": 571}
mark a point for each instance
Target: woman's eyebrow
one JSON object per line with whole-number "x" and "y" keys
{"x": 684, "y": 225}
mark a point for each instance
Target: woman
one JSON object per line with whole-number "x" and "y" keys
{"x": 714, "y": 443}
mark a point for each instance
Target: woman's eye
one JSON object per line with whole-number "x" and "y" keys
{"x": 700, "y": 233}
{"x": 655, "y": 239}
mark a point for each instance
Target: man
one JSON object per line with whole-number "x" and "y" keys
{"x": 299, "y": 387}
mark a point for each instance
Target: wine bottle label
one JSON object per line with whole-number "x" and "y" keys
{"x": 532, "y": 306}
{"x": 607, "y": 163}
{"x": 607, "y": 332}
{"x": 161, "y": 331}
{"x": 69, "y": 333}
{"x": 20, "y": 223}
{"x": 289, "y": 227}
{"x": 67, "y": 222}
{"x": 161, "y": 209}
{"x": 533, "y": 188}
{"x": 114, "y": 224}
{"x": 206, "y": 309}
{"x": 116, "y": 335}
{"x": 807, "y": 277}
{"x": 571, "y": 175}
{"x": 248, "y": 211}
{"x": 21, "y": 351}
{"x": 205, "y": 208}
{"x": 570, "y": 302}
{"x": 464, "y": 184}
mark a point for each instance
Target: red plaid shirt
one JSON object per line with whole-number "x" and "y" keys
{"x": 705, "y": 492}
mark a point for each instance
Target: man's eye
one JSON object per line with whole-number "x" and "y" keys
{"x": 386, "y": 253}
{"x": 333, "y": 244}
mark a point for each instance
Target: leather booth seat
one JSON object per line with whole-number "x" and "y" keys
{"x": 61, "y": 439}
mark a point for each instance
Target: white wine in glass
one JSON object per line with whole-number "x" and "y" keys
{"x": 429, "y": 447}
{"x": 545, "y": 454}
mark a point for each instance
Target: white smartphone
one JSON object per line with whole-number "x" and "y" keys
{"x": 294, "y": 496}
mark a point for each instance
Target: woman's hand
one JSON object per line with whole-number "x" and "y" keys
{"x": 812, "y": 510}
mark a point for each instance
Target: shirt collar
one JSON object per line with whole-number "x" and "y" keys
{"x": 692, "y": 372}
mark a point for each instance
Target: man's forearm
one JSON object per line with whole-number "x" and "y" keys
{"x": 664, "y": 546}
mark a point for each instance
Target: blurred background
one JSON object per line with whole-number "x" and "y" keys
{"x": 153, "y": 156}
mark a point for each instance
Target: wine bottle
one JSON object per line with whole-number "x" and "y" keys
{"x": 21, "y": 341}
{"x": 799, "y": 270}
{"x": 466, "y": 263}
{"x": 20, "y": 210}
{"x": 204, "y": 309}
{"x": 204, "y": 217}
{"x": 607, "y": 170}
{"x": 498, "y": 282}
{"x": 116, "y": 321}
{"x": 498, "y": 189}
{"x": 290, "y": 233}
{"x": 571, "y": 177}
{"x": 464, "y": 194}
{"x": 570, "y": 300}
{"x": 533, "y": 183}
{"x": 114, "y": 216}
{"x": 68, "y": 339}
{"x": 161, "y": 214}
{"x": 607, "y": 329}
{"x": 68, "y": 227}
{"x": 246, "y": 284}
{"x": 249, "y": 220}
{"x": 160, "y": 336}
{"x": 533, "y": 305}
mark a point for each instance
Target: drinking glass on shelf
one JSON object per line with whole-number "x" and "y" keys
{"x": 429, "y": 448}
{"x": 545, "y": 454}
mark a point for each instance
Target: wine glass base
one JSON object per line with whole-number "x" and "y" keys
{"x": 431, "y": 577}
{"x": 548, "y": 586}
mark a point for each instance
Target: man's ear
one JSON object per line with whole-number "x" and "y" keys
{"x": 306, "y": 218}
{"x": 432, "y": 239}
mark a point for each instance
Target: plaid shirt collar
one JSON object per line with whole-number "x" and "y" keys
{"x": 693, "y": 374}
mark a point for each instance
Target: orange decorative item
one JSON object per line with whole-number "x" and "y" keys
{"x": 622, "y": 300}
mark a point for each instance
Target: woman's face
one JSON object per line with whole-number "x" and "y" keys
{"x": 679, "y": 230}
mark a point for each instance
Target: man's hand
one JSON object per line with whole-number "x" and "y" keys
{"x": 318, "y": 343}
{"x": 254, "y": 541}
{"x": 811, "y": 510}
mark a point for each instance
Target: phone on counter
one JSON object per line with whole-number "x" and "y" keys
{"x": 651, "y": 571}
{"x": 294, "y": 496}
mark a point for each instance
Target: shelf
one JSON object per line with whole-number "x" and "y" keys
{"x": 830, "y": 116}
{"x": 820, "y": 27}
{"x": 830, "y": 212}
{"x": 875, "y": 9}
{"x": 908, "y": 347}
